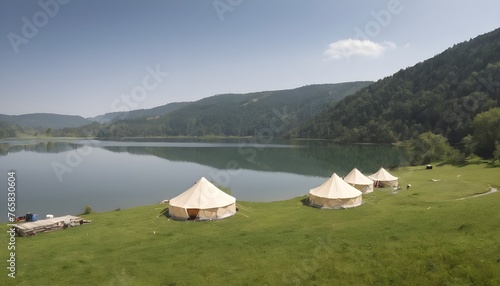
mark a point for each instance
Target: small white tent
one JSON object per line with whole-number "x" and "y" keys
{"x": 356, "y": 179}
{"x": 334, "y": 193}
{"x": 203, "y": 201}
{"x": 383, "y": 178}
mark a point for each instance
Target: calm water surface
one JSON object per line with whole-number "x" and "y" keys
{"x": 62, "y": 177}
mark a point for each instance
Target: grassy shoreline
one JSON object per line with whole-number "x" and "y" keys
{"x": 418, "y": 236}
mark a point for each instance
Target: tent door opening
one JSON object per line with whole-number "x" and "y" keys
{"x": 193, "y": 213}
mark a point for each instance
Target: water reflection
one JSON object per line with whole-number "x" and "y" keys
{"x": 36, "y": 146}
{"x": 304, "y": 157}
{"x": 313, "y": 159}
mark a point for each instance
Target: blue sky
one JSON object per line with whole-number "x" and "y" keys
{"x": 92, "y": 57}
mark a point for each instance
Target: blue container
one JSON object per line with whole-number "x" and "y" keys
{"x": 34, "y": 217}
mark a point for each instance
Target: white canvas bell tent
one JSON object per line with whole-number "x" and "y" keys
{"x": 334, "y": 193}
{"x": 382, "y": 178}
{"x": 203, "y": 201}
{"x": 361, "y": 182}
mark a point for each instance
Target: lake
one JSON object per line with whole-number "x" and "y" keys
{"x": 63, "y": 176}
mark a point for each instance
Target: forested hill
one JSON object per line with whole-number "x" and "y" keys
{"x": 133, "y": 114}
{"x": 44, "y": 120}
{"x": 238, "y": 114}
{"x": 441, "y": 94}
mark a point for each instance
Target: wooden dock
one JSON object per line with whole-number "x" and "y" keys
{"x": 50, "y": 224}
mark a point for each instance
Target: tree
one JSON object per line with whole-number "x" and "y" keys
{"x": 487, "y": 132}
{"x": 429, "y": 147}
{"x": 469, "y": 145}
{"x": 496, "y": 154}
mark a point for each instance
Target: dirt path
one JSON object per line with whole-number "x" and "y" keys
{"x": 491, "y": 191}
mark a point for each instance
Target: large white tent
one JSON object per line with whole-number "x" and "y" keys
{"x": 356, "y": 179}
{"x": 383, "y": 178}
{"x": 203, "y": 201}
{"x": 334, "y": 193}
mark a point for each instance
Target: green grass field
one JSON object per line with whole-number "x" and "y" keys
{"x": 420, "y": 236}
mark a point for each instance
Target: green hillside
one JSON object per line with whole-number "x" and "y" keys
{"x": 422, "y": 236}
{"x": 441, "y": 94}
{"x": 133, "y": 114}
{"x": 8, "y": 130}
{"x": 43, "y": 121}
{"x": 249, "y": 114}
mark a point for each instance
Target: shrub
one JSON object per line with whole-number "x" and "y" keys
{"x": 496, "y": 153}
{"x": 88, "y": 210}
{"x": 429, "y": 147}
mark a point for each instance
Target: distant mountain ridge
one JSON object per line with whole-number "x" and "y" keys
{"x": 238, "y": 114}
{"x": 224, "y": 115}
{"x": 133, "y": 114}
{"x": 45, "y": 120}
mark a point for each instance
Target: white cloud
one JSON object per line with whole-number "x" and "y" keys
{"x": 344, "y": 49}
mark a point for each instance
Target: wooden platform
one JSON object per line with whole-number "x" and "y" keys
{"x": 50, "y": 224}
